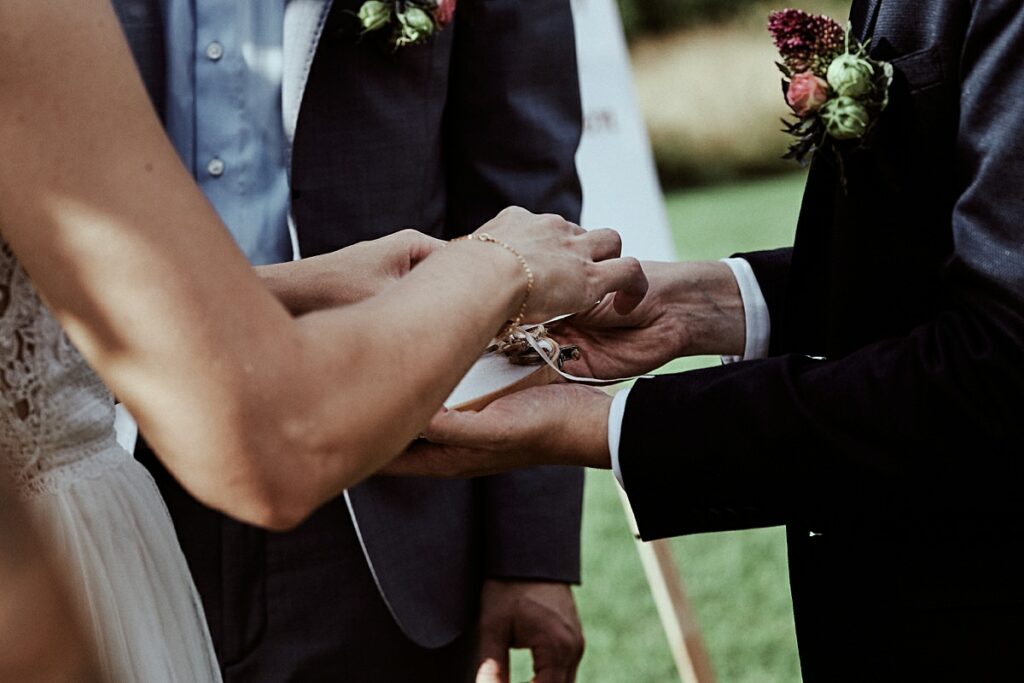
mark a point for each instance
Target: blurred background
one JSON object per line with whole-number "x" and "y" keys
{"x": 710, "y": 95}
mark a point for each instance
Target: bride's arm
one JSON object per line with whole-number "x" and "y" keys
{"x": 258, "y": 414}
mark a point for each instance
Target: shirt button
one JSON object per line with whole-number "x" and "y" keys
{"x": 215, "y": 51}
{"x": 215, "y": 168}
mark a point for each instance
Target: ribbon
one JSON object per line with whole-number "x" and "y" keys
{"x": 548, "y": 350}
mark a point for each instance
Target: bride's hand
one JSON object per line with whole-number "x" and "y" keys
{"x": 347, "y": 275}
{"x": 572, "y": 268}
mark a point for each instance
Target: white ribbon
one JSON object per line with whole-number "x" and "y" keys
{"x": 527, "y": 334}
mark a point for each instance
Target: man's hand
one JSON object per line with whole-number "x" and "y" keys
{"x": 537, "y": 615}
{"x": 691, "y": 309}
{"x": 347, "y": 275}
{"x": 560, "y": 424}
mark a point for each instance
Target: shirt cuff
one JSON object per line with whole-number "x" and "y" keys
{"x": 126, "y": 427}
{"x": 755, "y": 312}
{"x": 615, "y": 416}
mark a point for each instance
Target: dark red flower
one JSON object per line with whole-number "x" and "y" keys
{"x": 806, "y": 42}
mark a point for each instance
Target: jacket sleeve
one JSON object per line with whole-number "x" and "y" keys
{"x": 513, "y": 125}
{"x": 935, "y": 412}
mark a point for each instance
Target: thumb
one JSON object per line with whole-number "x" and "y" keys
{"x": 422, "y": 247}
{"x": 492, "y": 660}
{"x": 458, "y": 428}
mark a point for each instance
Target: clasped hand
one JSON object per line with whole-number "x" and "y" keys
{"x": 691, "y": 309}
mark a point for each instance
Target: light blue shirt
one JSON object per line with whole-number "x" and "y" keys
{"x": 224, "y": 71}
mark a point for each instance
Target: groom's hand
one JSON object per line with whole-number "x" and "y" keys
{"x": 691, "y": 309}
{"x": 540, "y": 616}
{"x": 347, "y": 275}
{"x": 560, "y": 424}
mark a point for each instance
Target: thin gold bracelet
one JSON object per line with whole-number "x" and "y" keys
{"x": 518, "y": 320}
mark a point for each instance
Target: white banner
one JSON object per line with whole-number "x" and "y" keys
{"x": 620, "y": 186}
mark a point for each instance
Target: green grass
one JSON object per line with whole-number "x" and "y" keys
{"x": 736, "y": 581}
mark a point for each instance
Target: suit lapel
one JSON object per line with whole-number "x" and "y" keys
{"x": 303, "y": 26}
{"x": 863, "y": 16}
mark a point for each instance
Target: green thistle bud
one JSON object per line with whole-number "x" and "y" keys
{"x": 851, "y": 75}
{"x": 374, "y": 14}
{"x": 416, "y": 25}
{"x": 845, "y": 118}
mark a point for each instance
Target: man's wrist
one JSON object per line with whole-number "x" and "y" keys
{"x": 589, "y": 440}
{"x": 707, "y": 308}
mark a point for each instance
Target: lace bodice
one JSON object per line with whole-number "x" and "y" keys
{"x": 56, "y": 416}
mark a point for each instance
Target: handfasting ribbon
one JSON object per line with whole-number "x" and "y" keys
{"x": 537, "y": 342}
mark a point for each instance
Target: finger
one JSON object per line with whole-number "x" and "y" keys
{"x": 595, "y": 316}
{"x": 552, "y": 674}
{"x": 571, "y": 678}
{"x": 625, "y": 277}
{"x": 421, "y": 459}
{"x": 423, "y": 246}
{"x": 466, "y": 429}
{"x": 492, "y": 657}
{"x": 557, "y": 660}
{"x": 576, "y": 230}
{"x": 492, "y": 671}
{"x": 603, "y": 244}
{"x": 437, "y": 461}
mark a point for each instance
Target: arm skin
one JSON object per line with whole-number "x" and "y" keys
{"x": 514, "y": 77}
{"x": 691, "y": 309}
{"x": 240, "y": 400}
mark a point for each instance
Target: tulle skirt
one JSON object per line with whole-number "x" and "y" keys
{"x": 111, "y": 530}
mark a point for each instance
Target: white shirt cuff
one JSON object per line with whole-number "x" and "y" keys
{"x": 755, "y": 312}
{"x": 126, "y": 428}
{"x": 615, "y": 416}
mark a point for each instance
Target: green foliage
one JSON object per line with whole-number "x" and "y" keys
{"x": 662, "y": 16}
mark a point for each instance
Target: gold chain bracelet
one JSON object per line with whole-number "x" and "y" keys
{"x": 518, "y": 320}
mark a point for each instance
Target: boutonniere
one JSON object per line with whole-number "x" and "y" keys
{"x": 410, "y": 21}
{"x": 836, "y": 91}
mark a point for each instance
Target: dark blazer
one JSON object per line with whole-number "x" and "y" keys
{"x": 439, "y": 137}
{"x": 885, "y": 430}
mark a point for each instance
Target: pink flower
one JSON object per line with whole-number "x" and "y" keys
{"x": 444, "y": 12}
{"x": 806, "y": 93}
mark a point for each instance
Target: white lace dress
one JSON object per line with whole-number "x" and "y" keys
{"x": 106, "y": 518}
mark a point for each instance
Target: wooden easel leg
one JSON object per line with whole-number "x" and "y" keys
{"x": 669, "y": 594}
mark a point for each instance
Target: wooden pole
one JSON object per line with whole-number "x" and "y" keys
{"x": 669, "y": 594}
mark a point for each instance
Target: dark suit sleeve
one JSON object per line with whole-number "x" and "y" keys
{"x": 938, "y": 410}
{"x": 513, "y": 125}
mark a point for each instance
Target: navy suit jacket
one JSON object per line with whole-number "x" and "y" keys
{"x": 439, "y": 137}
{"x": 885, "y": 429}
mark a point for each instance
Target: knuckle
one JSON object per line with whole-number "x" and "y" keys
{"x": 568, "y": 646}
{"x": 616, "y": 239}
{"x": 409, "y": 235}
{"x": 555, "y": 221}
